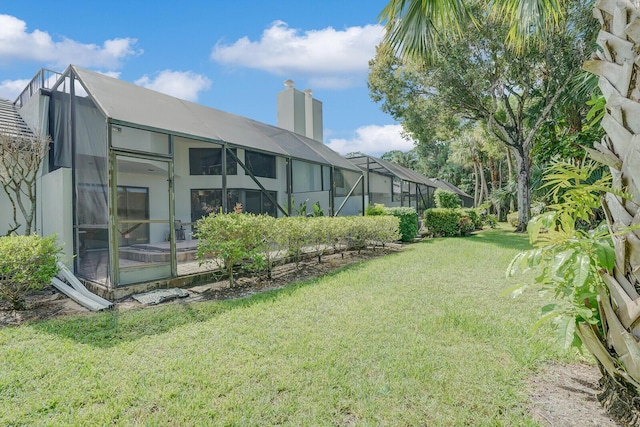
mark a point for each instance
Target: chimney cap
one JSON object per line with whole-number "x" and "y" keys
{"x": 289, "y": 84}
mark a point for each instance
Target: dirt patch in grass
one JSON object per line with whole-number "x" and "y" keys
{"x": 564, "y": 395}
{"x": 560, "y": 394}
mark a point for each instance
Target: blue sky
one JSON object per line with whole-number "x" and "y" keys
{"x": 232, "y": 56}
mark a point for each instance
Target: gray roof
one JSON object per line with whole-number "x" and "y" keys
{"x": 385, "y": 167}
{"x": 130, "y": 104}
{"x": 11, "y": 123}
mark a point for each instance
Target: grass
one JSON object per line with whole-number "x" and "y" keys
{"x": 421, "y": 337}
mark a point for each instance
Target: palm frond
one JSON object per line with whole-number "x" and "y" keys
{"x": 527, "y": 18}
{"x": 413, "y": 27}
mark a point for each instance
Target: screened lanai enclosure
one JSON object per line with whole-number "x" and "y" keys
{"x": 394, "y": 185}
{"x": 142, "y": 167}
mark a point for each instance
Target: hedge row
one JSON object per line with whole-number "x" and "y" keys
{"x": 257, "y": 241}
{"x": 441, "y": 222}
{"x": 408, "y": 219}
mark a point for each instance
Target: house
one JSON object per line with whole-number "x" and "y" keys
{"x": 131, "y": 170}
{"x": 394, "y": 185}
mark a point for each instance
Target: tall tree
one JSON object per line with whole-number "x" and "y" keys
{"x": 401, "y": 92}
{"x": 467, "y": 150}
{"x": 479, "y": 78}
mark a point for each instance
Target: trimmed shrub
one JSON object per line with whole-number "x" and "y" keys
{"x": 375, "y": 210}
{"x": 442, "y": 222}
{"x": 446, "y": 199}
{"x": 229, "y": 239}
{"x": 386, "y": 229}
{"x": 297, "y": 235}
{"x": 27, "y": 263}
{"x": 408, "y": 222}
{"x": 475, "y": 217}
{"x": 512, "y": 218}
{"x": 465, "y": 225}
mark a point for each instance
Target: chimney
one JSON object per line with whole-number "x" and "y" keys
{"x": 313, "y": 116}
{"x": 299, "y": 112}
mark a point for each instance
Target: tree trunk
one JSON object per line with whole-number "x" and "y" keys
{"x": 616, "y": 346}
{"x": 524, "y": 191}
{"x": 483, "y": 184}
{"x": 476, "y": 193}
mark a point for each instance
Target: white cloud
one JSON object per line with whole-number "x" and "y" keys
{"x": 181, "y": 84}
{"x": 114, "y": 74}
{"x": 10, "y": 89}
{"x": 374, "y": 140}
{"x": 17, "y": 44}
{"x": 328, "y": 57}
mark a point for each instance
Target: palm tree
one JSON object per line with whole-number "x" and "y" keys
{"x": 413, "y": 28}
{"x": 467, "y": 150}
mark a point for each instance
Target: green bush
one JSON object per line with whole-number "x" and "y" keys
{"x": 257, "y": 241}
{"x": 297, "y": 235}
{"x": 385, "y": 229}
{"x": 408, "y": 222}
{"x": 270, "y": 244}
{"x": 375, "y": 210}
{"x": 512, "y": 218}
{"x": 446, "y": 199}
{"x": 229, "y": 239}
{"x": 475, "y": 217}
{"x": 27, "y": 263}
{"x": 465, "y": 225}
{"x": 442, "y": 222}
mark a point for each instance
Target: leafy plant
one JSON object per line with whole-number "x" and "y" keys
{"x": 442, "y": 222}
{"x": 302, "y": 209}
{"x": 27, "y": 263}
{"x": 465, "y": 225}
{"x": 271, "y": 241}
{"x": 569, "y": 257}
{"x": 296, "y": 235}
{"x": 375, "y": 209}
{"x": 228, "y": 240}
{"x": 317, "y": 209}
{"x": 446, "y": 199}
{"x": 408, "y": 222}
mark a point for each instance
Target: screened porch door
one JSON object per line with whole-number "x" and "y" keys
{"x": 143, "y": 248}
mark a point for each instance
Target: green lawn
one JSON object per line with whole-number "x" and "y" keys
{"x": 420, "y": 337}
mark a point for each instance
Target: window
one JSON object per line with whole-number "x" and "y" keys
{"x": 257, "y": 202}
{"x": 208, "y": 161}
{"x": 252, "y": 201}
{"x": 204, "y": 202}
{"x": 263, "y": 165}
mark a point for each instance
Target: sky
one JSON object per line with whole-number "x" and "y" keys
{"x": 232, "y": 56}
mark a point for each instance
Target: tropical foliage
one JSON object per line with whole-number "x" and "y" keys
{"x": 571, "y": 249}
{"x": 472, "y": 75}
